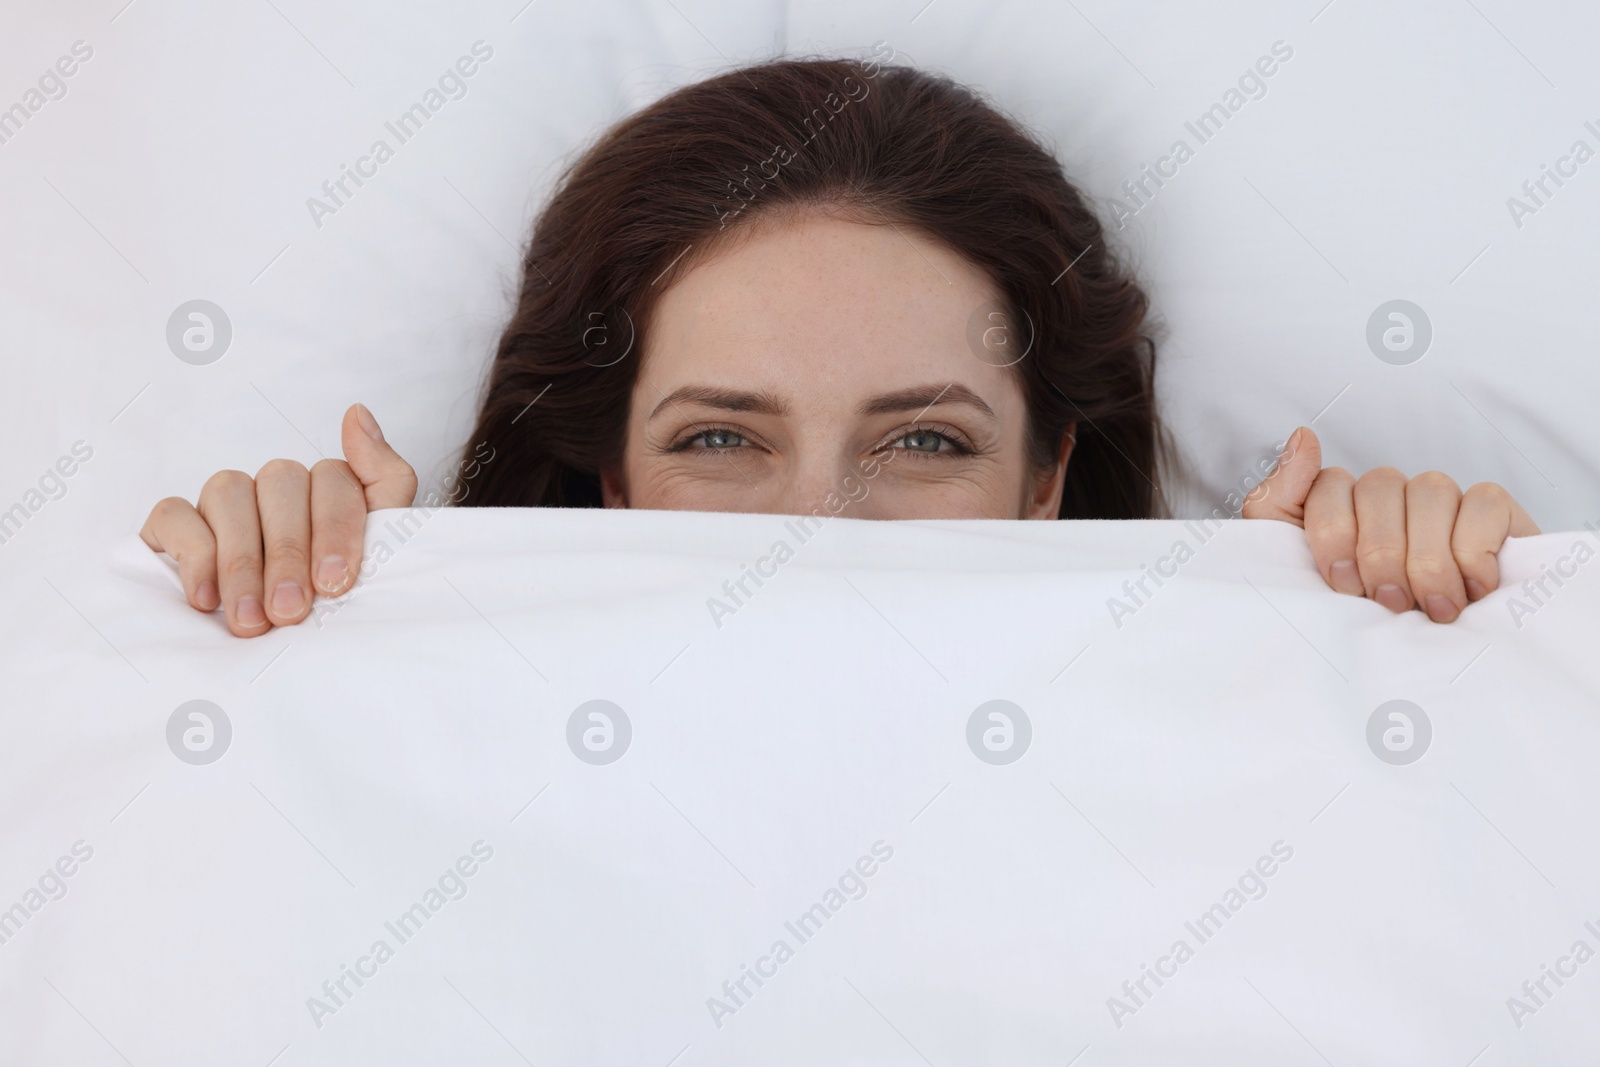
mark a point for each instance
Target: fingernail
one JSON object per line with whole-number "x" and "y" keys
{"x": 1440, "y": 609}
{"x": 206, "y": 595}
{"x": 1392, "y": 597}
{"x": 1475, "y": 589}
{"x": 248, "y": 613}
{"x": 1346, "y": 578}
{"x": 288, "y": 598}
{"x": 368, "y": 423}
{"x": 330, "y": 574}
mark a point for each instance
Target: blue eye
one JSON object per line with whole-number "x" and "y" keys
{"x": 713, "y": 439}
{"x": 926, "y": 441}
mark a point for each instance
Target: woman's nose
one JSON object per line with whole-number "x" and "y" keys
{"x": 826, "y": 485}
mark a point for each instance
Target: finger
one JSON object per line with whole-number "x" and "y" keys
{"x": 1487, "y": 517}
{"x": 1331, "y": 529}
{"x": 338, "y": 526}
{"x": 228, "y": 504}
{"x": 283, "y": 500}
{"x": 176, "y": 528}
{"x": 1380, "y": 497}
{"x": 386, "y": 480}
{"x": 1282, "y": 494}
{"x": 1432, "y": 501}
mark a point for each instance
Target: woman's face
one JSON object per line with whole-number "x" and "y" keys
{"x": 822, "y": 365}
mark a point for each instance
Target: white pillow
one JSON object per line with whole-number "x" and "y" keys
{"x": 179, "y": 164}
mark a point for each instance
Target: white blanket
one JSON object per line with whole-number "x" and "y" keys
{"x": 917, "y": 793}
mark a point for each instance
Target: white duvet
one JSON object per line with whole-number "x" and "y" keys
{"x": 565, "y": 787}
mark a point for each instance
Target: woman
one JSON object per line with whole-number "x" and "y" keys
{"x": 807, "y": 282}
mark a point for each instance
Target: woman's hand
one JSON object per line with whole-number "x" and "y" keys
{"x": 1405, "y": 543}
{"x": 255, "y": 546}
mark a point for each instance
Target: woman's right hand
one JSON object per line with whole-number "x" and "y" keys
{"x": 256, "y": 546}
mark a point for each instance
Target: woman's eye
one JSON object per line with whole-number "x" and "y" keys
{"x": 926, "y": 441}
{"x": 712, "y": 439}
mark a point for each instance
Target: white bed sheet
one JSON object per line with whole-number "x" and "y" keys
{"x": 1221, "y": 725}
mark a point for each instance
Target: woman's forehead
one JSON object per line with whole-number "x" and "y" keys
{"x": 823, "y": 298}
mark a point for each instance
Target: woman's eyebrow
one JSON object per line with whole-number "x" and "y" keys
{"x": 922, "y": 397}
{"x": 761, "y": 403}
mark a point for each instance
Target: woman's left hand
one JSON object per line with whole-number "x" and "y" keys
{"x": 1418, "y": 542}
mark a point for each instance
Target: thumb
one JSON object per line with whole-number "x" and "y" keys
{"x": 1282, "y": 494}
{"x": 388, "y": 480}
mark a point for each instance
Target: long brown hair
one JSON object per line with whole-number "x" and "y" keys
{"x": 885, "y": 143}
